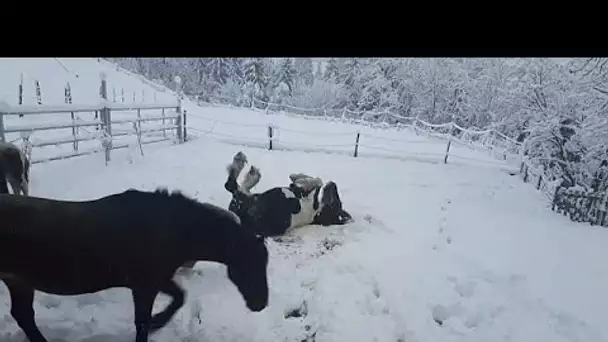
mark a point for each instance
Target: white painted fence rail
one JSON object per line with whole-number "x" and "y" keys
{"x": 107, "y": 127}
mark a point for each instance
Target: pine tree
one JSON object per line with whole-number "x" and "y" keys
{"x": 256, "y": 79}
{"x": 351, "y": 82}
{"x": 236, "y": 69}
{"x": 304, "y": 71}
{"x": 284, "y": 76}
{"x": 219, "y": 71}
{"x": 319, "y": 71}
{"x": 332, "y": 71}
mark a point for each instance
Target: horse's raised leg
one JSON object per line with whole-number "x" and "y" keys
{"x": 252, "y": 178}
{"x": 234, "y": 170}
{"x": 22, "y": 310}
{"x": 143, "y": 300}
{"x": 161, "y": 319}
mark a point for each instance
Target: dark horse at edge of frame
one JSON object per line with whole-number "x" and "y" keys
{"x": 277, "y": 210}
{"x": 14, "y": 169}
{"x": 133, "y": 239}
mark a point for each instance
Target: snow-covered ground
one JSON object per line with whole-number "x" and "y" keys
{"x": 470, "y": 247}
{"x": 462, "y": 251}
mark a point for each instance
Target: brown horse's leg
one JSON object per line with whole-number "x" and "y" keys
{"x": 143, "y": 300}
{"x": 3, "y": 185}
{"x": 172, "y": 289}
{"x": 22, "y": 300}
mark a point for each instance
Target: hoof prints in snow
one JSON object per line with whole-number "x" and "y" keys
{"x": 295, "y": 244}
{"x": 301, "y": 311}
{"x": 443, "y": 224}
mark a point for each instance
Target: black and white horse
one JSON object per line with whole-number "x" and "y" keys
{"x": 275, "y": 211}
{"x": 14, "y": 169}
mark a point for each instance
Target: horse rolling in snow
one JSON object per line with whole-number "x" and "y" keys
{"x": 277, "y": 210}
{"x": 14, "y": 168}
{"x": 132, "y": 239}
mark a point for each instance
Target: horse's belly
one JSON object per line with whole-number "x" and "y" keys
{"x": 61, "y": 275}
{"x": 62, "y": 283}
{"x": 305, "y": 216}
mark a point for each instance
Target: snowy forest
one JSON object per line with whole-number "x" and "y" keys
{"x": 558, "y": 108}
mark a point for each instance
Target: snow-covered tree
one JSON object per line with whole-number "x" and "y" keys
{"x": 332, "y": 71}
{"x": 304, "y": 71}
{"x": 256, "y": 78}
{"x": 556, "y": 107}
{"x": 318, "y": 71}
{"x": 284, "y": 77}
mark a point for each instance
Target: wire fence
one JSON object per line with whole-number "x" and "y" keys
{"x": 579, "y": 206}
{"x": 401, "y": 141}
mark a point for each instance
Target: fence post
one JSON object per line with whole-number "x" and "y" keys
{"x": 180, "y": 129}
{"x": 2, "y": 106}
{"x": 526, "y": 175}
{"x": 602, "y": 210}
{"x": 270, "y": 135}
{"x": 122, "y": 90}
{"x": 106, "y": 116}
{"x": 68, "y": 100}
{"x": 139, "y": 120}
{"x": 185, "y": 136}
{"x": 114, "y": 94}
{"x": 21, "y": 93}
{"x": 164, "y": 130}
{"x": 137, "y": 127}
{"x": 38, "y": 92}
{"x": 540, "y": 179}
{"x": 447, "y": 150}
{"x": 357, "y": 145}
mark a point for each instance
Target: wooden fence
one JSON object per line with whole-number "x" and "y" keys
{"x": 172, "y": 118}
{"x": 578, "y": 204}
{"x": 581, "y": 206}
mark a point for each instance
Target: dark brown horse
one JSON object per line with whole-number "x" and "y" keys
{"x": 132, "y": 239}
